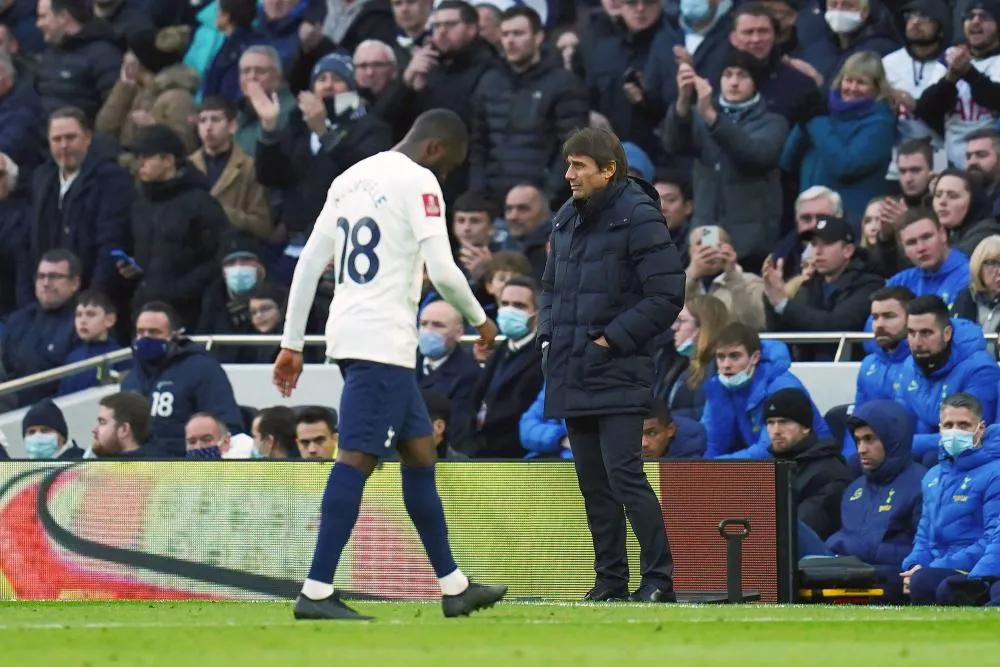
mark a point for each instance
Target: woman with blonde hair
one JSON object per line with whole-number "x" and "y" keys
{"x": 682, "y": 368}
{"x": 848, "y": 146}
{"x": 980, "y": 303}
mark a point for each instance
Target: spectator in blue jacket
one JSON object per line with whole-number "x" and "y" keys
{"x": 848, "y": 147}
{"x": 946, "y": 357}
{"x": 937, "y": 269}
{"x": 749, "y": 370}
{"x": 543, "y": 437}
{"x": 279, "y": 22}
{"x": 39, "y": 336}
{"x": 881, "y": 370}
{"x": 179, "y": 378}
{"x": 961, "y": 506}
{"x": 668, "y": 436}
{"x": 880, "y": 510}
{"x": 95, "y": 321}
{"x": 853, "y": 26}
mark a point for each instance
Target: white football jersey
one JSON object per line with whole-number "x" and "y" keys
{"x": 914, "y": 77}
{"x": 378, "y": 212}
{"x": 967, "y": 115}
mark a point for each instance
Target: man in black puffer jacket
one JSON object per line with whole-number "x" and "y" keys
{"x": 612, "y": 284}
{"x": 524, "y": 109}
{"x": 82, "y": 61}
{"x": 177, "y": 226}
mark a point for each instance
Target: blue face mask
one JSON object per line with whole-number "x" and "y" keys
{"x": 204, "y": 453}
{"x": 432, "y": 344}
{"x": 240, "y": 279}
{"x": 150, "y": 350}
{"x": 695, "y": 10}
{"x": 954, "y": 442}
{"x": 42, "y": 445}
{"x": 687, "y": 349}
{"x": 513, "y": 322}
{"x": 736, "y": 381}
{"x": 255, "y": 453}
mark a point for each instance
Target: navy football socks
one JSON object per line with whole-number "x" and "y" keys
{"x": 339, "y": 513}
{"x": 424, "y": 507}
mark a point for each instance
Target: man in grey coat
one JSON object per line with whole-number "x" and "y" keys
{"x": 613, "y": 282}
{"x": 737, "y": 143}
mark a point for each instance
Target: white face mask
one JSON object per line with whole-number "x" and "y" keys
{"x": 843, "y": 23}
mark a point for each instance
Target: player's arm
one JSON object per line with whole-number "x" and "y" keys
{"x": 319, "y": 250}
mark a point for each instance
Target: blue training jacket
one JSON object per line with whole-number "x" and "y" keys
{"x": 189, "y": 380}
{"x": 969, "y": 368}
{"x": 880, "y": 510}
{"x": 732, "y": 417}
{"x": 961, "y": 512}
{"x": 947, "y": 282}
{"x": 541, "y": 436}
{"x": 881, "y": 373}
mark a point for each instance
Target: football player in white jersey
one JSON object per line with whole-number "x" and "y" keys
{"x": 383, "y": 220}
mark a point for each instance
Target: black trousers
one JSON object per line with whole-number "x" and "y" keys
{"x": 607, "y": 452}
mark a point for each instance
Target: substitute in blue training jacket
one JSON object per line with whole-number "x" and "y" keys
{"x": 613, "y": 282}
{"x": 880, "y": 510}
{"x": 749, "y": 370}
{"x": 179, "y": 378}
{"x": 947, "y": 357}
{"x": 937, "y": 269}
{"x": 961, "y": 506}
{"x": 881, "y": 370}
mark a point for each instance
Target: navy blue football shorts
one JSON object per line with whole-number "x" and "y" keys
{"x": 380, "y": 404}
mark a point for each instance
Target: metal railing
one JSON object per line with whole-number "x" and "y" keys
{"x": 105, "y": 361}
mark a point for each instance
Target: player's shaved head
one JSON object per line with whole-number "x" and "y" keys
{"x": 438, "y": 140}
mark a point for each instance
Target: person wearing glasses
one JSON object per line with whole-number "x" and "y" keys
{"x": 980, "y": 303}
{"x": 39, "y": 336}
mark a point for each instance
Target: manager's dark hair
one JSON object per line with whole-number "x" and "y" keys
{"x": 600, "y": 145}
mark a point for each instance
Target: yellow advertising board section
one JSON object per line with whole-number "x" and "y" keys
{"x": 246, "y": 529}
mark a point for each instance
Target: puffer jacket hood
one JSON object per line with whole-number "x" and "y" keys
{"x": 894, "y": 426}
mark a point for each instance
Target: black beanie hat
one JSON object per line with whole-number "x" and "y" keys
{"x": 45, "y": 413}
{"x": 790, "y": 403}
{"x": 747, "y": 62}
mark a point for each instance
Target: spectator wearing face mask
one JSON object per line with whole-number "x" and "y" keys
{"x": 45, "y": 433}
{"x": 946, "y": 356}
{"x": 512, "y": 377}
{"x": 748, "y": 371}
{"x": 206, "y": 436}
{"x": 964, "y": 210}
{"x": 682, "y": 367}
{"x": 443, "y": 365}
{"x": 273, "y": 431}
{"x": 178, "y": 378}
{"x": 226, "y": 305}
{"x": 961, "y": 506}
{"x": 853, "y": 26}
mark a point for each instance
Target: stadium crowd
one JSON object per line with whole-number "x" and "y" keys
{"x": 821, "y": 167}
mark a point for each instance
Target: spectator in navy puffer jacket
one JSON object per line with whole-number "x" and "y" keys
{"x": 957, "y": 538}
{"x": 20, "y": 16}
{"x": 881, "y": 509}
{"x": 20, "y": 119}
{"x": 179, "y": 378}
{"x": 235, "y": 21}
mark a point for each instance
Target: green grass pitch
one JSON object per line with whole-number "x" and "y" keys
{"x": 177, "y": 634}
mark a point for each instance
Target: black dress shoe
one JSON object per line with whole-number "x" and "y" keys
{"x": 653, "y": 593}
{"x": 327, "y": 609}
{"x": 606, "y": 594}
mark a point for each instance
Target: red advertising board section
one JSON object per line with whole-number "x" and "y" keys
{"x": 246, "y": 530}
